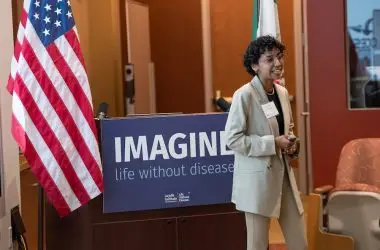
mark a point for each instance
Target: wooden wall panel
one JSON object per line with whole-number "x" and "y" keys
{"x": 231, "y": 32}
{"x": 176, "y": 44}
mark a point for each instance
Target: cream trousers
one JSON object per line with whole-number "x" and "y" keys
{"x": 291, "y": 222}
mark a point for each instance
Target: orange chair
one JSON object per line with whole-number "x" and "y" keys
{"x": 352, "y": 208}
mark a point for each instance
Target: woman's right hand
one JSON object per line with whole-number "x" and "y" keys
{"x": 283, "y": 142}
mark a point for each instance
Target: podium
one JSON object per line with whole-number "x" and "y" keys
{"x": 190, "y": 228}
{"x": 213, "y": 226}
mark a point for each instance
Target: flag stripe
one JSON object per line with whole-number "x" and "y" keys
{"x": 63, "y": 113}
{"x": 47, "y": 160}
{"x": 51, "y": 189}
{"x": 73, "y": 40}
{"x": 24, "y": 17}
{"x": 26, "y": 5}
{"x": 59, "y": 93}
{"x": 20, "y": 33}
{"x": 18, "y": 47}
{"x": 17, "y": 52}
{"x": 10, "y": 84}
{"x": 17, "y": 129}
{"x": 57, "y": 138}
{"x": 14, "y": 63}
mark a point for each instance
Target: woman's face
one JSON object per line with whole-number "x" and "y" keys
{"x": 270, "y": 65}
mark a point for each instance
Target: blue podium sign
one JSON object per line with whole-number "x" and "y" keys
{"x": 160, "y": 162}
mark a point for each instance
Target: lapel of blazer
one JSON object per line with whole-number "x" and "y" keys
{"x": 284, "y": 106}
{"x": 263, "y": 99}
{"x": 260, "y": 92}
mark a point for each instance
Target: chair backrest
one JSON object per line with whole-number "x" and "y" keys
{"x": 359, "y": 166}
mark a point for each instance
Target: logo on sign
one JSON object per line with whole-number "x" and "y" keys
{"x": 181, "y": 197}
{"x": 184, "y": 198}
{"x": 170, "y": 198}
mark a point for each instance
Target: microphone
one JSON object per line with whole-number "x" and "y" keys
{"x": 223, "y": 104}
{"x": 102, "y": 110}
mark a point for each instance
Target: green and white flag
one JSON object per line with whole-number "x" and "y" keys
{"x": 268, "y": 19}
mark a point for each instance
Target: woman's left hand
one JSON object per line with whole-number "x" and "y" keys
{"x": 291, "y": 149}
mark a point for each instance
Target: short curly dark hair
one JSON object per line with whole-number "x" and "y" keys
{"x": 258, "y": 47}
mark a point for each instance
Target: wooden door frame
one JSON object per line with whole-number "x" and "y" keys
{"x": 124, "y": 46}
{"x": 302, "y": 93}
{"x": 15, "y": 5}
{"x": 207, "y": 55}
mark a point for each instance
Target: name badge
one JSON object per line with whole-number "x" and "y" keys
{"x": 270, "y": 110}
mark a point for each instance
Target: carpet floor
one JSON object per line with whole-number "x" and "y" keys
{"x": 277, "y": 247}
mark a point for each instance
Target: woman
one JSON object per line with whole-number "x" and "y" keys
{"x": 259, "y": 131}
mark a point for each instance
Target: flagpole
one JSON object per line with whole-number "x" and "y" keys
{"x": 255, "y": 18}
{"x": 40, "y": 218}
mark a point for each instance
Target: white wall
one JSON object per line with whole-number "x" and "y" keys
{"x": 10, "y": 150}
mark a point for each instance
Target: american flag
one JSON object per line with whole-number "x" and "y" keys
{"x": 52, "y": 118}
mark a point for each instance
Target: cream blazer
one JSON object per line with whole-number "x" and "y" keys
{"x": 259, "y": 166}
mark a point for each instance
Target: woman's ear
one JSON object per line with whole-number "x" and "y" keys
{"x": 255, "y": 68}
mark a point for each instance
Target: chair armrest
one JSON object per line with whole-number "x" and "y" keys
{"x": 324, "y": 189}
{"x": 324, "y": 193}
